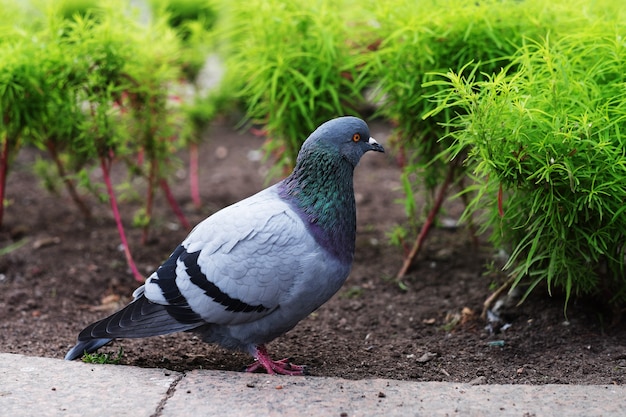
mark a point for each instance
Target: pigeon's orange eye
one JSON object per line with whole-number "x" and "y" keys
{"x": 356, "y": 137}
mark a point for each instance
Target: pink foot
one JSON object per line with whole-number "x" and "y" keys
{"x": 282, "y": 367}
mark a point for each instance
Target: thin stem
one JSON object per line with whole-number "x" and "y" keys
{"x": 193, "y": 175}
{"x": 69, "y": 184}
{"x": 149, "y": 201}
{"x": 496, "y": 294}
{"x": 4, "y": 169}
{"x": 173, "y": 204}
{"x": 427, "y": 224}
{"x": 106, "y": 170}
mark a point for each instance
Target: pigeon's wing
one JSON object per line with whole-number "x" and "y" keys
{"x": 238, "y": 265}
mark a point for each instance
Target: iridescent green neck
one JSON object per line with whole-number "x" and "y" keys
{"x": 321, "y": 190}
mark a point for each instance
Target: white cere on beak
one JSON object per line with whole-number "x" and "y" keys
{"x": 375, "y": 146}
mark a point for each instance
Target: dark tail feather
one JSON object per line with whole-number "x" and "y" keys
{"x": 87, "y": 346}
{"x": 141, "y": 318}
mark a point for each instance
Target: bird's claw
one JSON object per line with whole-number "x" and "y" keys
{"x": 281, "y": 367}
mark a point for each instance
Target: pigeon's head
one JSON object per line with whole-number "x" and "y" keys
{"x": 349, "y": 137}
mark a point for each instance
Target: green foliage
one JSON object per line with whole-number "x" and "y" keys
{"x": 184, "y": 14}
{"x": 202, "y": 110}
{"x": 101, "y": 81}
{"x": 353, "y": 292}
{"x": 112, "y": 100}
{"x": 21, "y": 95}
{"x": 91, "y": 84}
{"x": 193, "y": 21}
{"x": 418, "y": 42}
{"x": 48, "y": 176}
{"x": 146, "y": 79}
{"x": 103, "y": 358}
{"x": 295, "y": 65}
{"x": 141, "y": 218}
{"x": 69, "y": 9}
{"x": 13, "y": 246}
{"x": 546, "y": 134}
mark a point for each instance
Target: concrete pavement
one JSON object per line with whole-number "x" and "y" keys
{"x": 32, "y": 386}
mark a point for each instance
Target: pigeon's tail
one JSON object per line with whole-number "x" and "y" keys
{"x": 141, "y": 318}
{"x": 86, "y": 346}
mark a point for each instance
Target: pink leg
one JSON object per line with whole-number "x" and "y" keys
{"x": 282, "y": 367}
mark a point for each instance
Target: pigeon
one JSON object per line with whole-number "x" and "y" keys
{"x": 251, "y": 271}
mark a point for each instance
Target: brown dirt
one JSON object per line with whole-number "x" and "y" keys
{"x": 70, "y": 272}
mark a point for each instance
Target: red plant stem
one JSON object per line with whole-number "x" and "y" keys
{"x": 173, "y": 204}
{"x": 193, "y": 175}
{"x": 140, "y": 157}
{"x": 427, "y": 224}
{"x": 149, "y": 201}
{"x": 106, "y": 169}
{"x": 4, "y": 169}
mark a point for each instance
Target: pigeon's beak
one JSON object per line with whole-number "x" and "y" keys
{"x": 375, "y": 145}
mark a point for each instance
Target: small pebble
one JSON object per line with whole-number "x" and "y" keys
{"x": 221, "y": 152}
{"x": 426, "y": 357}
{"x": 480, "y": 380}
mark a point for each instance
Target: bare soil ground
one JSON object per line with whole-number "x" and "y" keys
{"x": 70, "y": 272}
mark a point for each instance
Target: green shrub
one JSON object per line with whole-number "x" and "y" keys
{"x": 545, "y": 140}
{"x": 296, "y": 65}
{"x": 90, "y": 92}
{"x": 441, "y": 35}
{"x": 184, "y": 14}
{"x": 194, "y": 21}
{"x": 416, "y": 43}
{"x": 22, "y": 99}
{"x": 69, "y": 9}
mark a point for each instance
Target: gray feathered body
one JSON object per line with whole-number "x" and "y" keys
{"x": 269, "y": 276}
